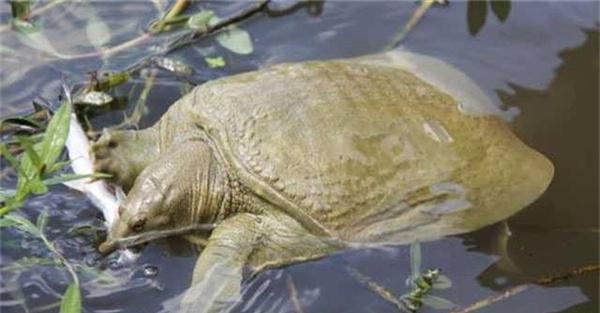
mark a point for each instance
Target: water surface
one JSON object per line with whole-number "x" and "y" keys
{"x": 542, "y": 60}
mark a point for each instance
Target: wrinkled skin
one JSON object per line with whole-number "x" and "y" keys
{"x": 298, "y": 161}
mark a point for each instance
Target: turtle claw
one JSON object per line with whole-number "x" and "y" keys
{"x": 122, "y": 154}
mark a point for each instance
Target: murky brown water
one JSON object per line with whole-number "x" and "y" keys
{"x": 543, "y": 60}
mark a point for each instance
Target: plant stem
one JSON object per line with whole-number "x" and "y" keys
{"x": 415, "y": 18}
{"x": 135, "y": 240}
{"x": 177, "y": 9}
{"x": 512, "y": 291}
{"x": 62, "y": 259}
{"x": 196, "y": 35}
{"x": 179, "y": 42}
{"x": 376, "y": 288}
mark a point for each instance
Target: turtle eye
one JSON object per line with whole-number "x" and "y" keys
{"x": 138, "y": 224}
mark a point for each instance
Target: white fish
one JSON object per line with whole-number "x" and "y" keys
{"x": 104, "y": 195}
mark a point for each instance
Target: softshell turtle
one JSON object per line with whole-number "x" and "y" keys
{"x": 297, "y": 161}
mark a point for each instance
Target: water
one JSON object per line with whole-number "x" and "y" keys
{"x": 542, "y": 60}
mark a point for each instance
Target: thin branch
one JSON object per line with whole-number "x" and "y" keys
{"x": 197, "y": 35}
{"x": 414, "y": 19}
{"x": 376, "y": 288}
{"x": 135, "y": 240}
{"x": 179, "y": 42}
{"x": 512, "y": 291}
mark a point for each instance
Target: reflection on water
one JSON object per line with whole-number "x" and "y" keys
{"x": 542, "y": 59}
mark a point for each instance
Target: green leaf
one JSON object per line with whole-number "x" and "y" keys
{"x": 501, "y": 9}
{"x": 31, "y": 153}
{"x": 437, "y": 303}
{"x": 21, "y": 223}
{"x": 216, "y": 62}
{"x": 42, "y": 221}
{"x": 97, "y": 32}
{"x": 476, "y": 15}
{"x": 5, "y": 222}
{"x": 56, "y": 135}
{"x": 58, "y": 166}
{"x": 415, "y": 261}
{"x": 71, "y": 302}
{"x": 442, "y": 282}
{"x": 235, "y": 40}
{"x": 36, "y": 186}
{"x": 200, "y": 20}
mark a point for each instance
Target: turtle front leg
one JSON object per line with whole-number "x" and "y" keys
{"x": 124, "y": 154}
{"x": 245, "y": 240}
{"x": 217, "y": 277}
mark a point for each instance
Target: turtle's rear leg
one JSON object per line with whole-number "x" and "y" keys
{"x": 125, "y": 153}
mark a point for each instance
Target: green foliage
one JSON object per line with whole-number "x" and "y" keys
{"x": 71, "y": 302}
{"x": 38, "y": 161}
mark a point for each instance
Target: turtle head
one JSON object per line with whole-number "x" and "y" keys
{"x": 142, "y": 213}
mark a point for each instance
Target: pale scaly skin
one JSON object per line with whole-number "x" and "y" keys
{"x": 297, "y": 161}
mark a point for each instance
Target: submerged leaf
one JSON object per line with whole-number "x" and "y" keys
{"x": 216, "y": 62}
{"x": 235, "y": 40}
{"x": 71, "y": 302}
{"x": 97, "y": 32}
{"x": 442, "y": 282}
{"x": 200, "y": 20}
{"x": 33, "y": 37}
{"x": 437, "y": 303}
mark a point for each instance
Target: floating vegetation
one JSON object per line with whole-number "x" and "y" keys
{"x": 199, "y": 21}
{"x": 235, "y": 40}
{"x": 94, "y": 98}
{"x": 422, "y": 284}
{"x": 174, "y": 66}
{"x": 215, "y": 62}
